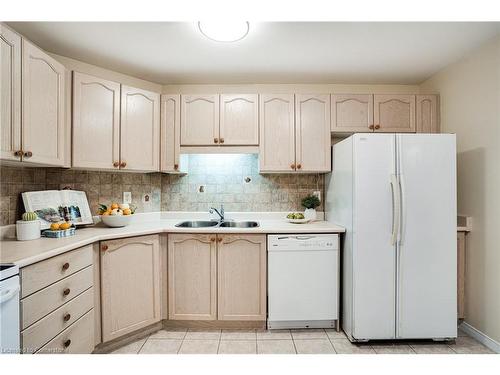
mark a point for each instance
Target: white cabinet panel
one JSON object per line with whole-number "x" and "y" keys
{"x": 394, "y": 113}
{"x": 352, "y": 113}
{"x": 239, "y": 120}
{"x": 427, "y": 115}
{"x": 170, "y": 133}
{"x": 199, "y": 120}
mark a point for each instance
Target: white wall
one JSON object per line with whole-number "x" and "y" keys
{"x": 470, "y": 107}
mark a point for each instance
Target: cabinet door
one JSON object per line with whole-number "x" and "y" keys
{"x": 277, "y": 133}
{"x": 352, "y": 113}
{"x": 312, "y": 133}
{"x": 427, "y": 116}
{"x": 239, "y": 120}
{"x": 43, "y": 107}
{"x": 10, "y": 94}
{"x": 96, "y": 122}
{"x": 199, "y": 120}
{"x": 394, "y": 113}
{"x": 170, "y": 133}
{"x": 242, "y": 277}
{"x": 130, "y": 285}
{"x": 140, "y": 130}
{"x": 192, "y": 278}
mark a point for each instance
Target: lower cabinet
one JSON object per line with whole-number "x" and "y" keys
{"x": 217, "y": 277}
{"x": 130, "y": 285}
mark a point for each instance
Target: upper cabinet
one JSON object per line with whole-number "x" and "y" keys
{"x": 96, "y": 122}
{"x": 394, "y": 113}
{"x": 352, "y": 113}
{"x": 199, "y": 120}
{"x": 312, "y": 133}
{"x": 170, "y": 133}
{"x": 277, "y": 133}
{"x": 43, "y": 107}
{"x": 140, "y": 130}
{"x": 10, "y": 95}
{"x": 239, "y": 120}
{"x": 427, "y": 116}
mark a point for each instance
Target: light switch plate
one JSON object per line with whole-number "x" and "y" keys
{"x": 127, "y": 197}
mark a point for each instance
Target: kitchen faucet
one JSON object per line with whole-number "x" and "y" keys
{"x": 218, "y": 212}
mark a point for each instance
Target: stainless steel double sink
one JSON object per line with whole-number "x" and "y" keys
{"x": 217, "y": 224}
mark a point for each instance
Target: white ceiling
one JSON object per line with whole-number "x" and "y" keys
{"x": 273, "y": 52}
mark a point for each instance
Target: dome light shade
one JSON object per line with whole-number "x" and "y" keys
{"x": 224, "y": 31}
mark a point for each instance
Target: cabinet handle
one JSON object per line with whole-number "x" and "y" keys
{"x": 371, "y": 127}
{"x": 123, "y": 164}
{"x": 221, "y": 140}
{"x": 377, "y": 126}
{"x": 292, "y": 166}
{"x": 212, "y": 239}
{"x": 216, "y": 140}
{"x": 104, "y": 247}
{"x": 299, "y": 166}
{"x": 67, "y": 317}
{"x": 66, "y": 291}
{"x": 65, "y": 266}
{"x": 176, "y": 166}
{"x": 67, "y": 343}
{"x": 219, "y": 239}
{"x": 28, "y": 154}
{"x": 116, "y": 164}
{"x": 18, "y": 153}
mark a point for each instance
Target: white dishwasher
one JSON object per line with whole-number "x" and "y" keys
{"x": 303, "y": 281}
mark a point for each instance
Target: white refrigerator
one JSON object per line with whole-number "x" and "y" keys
{"x": 396, "y": 196}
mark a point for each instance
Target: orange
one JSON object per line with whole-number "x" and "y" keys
{"x": 114, "y": 205}
{"x": 105, "y": 213}
{"x": 65, "y": 226}
{"x": 127, "y": 211}
{"x": 54, "y": 226}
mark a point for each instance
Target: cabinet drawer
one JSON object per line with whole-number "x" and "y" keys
{"x": 47, "y": 328}
{"x": 76, "y": 339}
{"x": 41, "y": 274}
{"x": 47, "y": 300}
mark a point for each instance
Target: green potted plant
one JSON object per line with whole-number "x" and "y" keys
{"x": 310, "y": 203}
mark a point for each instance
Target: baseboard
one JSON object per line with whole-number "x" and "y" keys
{"x": 481, "y": 337}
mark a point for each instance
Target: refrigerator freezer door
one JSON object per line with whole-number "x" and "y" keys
{"x": 374, "y": 256}
{"x": 427, "y": 305}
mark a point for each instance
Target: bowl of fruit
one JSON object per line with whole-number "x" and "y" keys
{"x": 296, "y": 218}
{"x": 116, "y": 215}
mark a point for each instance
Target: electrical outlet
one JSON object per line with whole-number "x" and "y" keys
{"x": 127, "y": 197}
{"x": 318, "y": 194}
{"x": 146, "y": 202}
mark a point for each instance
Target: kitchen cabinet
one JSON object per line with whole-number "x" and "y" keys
{"x": 394, "y": 113}
{"x": 277, "y": 133}
{"x": 10, "y": 94}
{"x": 352, "y": 113}
{"x": 461, "y": 257}
{"x": 170, "y": 134}
{"x": 96, "y": 122}
{"x": 199, "y": 120}
{"x": 427, "y": 116}
{"x": 130, "y": 285}
{"x": 241, "y": 261}
{"x": 312, "y": 133}
{"x": 43, "y": 107}
{"x": 140, "y": 130}
{"x": 192, "y": 277}
{"x": 239, "y": 120}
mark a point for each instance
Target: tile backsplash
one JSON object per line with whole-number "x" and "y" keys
{"x": 232, "y": 180}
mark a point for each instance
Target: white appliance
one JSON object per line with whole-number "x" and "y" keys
{"x": 396, "y": 196}
{"x": 303, "y": 281}
{"x": 9, "y": 309}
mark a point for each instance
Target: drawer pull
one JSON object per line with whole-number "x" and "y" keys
{"x": 66, "y": 291}
{"x": 67, "y": 317}
{"x": 65, "y": 266}
{"x": 104, "y": 247}
{"x": 67, "y": 343}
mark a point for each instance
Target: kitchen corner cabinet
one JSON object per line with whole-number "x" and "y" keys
{"x": 96, "y": 122}
{"x": 241, "y": 269}
{"x": 199, "y": 120}
{"x": 140, "y": 130}
{"x": 130, "y": 285}
{"x": 427, "y": 115}
{"x": 352, "y": 113}
{"x": 10, "y": 95}
{"x": 394, "y": 113}
{"x": 43, "y": 107}
{"x": 239, "y": 120}
{"x": 170, "y": 133}
{"x": 192, "y": 277}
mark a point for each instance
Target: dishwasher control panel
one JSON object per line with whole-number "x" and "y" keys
{"x": 302, "y": 242}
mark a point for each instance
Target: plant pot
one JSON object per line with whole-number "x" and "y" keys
{"x": 27, "y": 230}
{"x": 310, "y": 214}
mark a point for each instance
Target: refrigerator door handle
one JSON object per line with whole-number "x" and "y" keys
{"x": 396, "y": 209}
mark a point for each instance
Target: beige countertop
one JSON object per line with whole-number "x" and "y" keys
{"x": 24, "y": 253}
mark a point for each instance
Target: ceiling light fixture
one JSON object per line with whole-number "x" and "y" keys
{"x": 224, "y": 31}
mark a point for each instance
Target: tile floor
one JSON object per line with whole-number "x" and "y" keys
{"x": 312, "y": 341}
